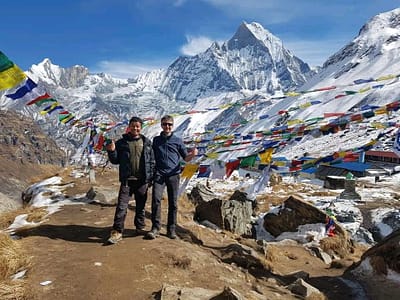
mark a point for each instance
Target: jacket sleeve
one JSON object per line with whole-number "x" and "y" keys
{"x": 152, "y": 163}
{"x": 113, "y": 157}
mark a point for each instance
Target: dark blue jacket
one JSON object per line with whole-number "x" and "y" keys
{"x": 168, "y": 151}
{"x": 122, "y": 154}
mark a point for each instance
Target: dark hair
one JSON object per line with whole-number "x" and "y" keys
{"x": 136, "y": 119}
{"x": 167, "y": 118}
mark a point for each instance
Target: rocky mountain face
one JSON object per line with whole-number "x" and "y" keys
{"x": 26, "y": 154}
{"x": 22, "y": 140}
{"x": 253, "y": 59}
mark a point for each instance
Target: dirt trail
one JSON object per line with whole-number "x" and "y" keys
{"x": 70, "y": 251}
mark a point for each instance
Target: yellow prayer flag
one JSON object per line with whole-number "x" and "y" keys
{"x": 364, "y": 90}
{"x": 381, "y": 110}
{"x": 212, "y": 155}
{"x": 378, "y": 125}
{"x": 43, "y": 112}
{"x": 293, "y": 122}
{"x": 292, "y": 94}
{"x": 279, "y": 163}
{"x": 266, "y": 156}
{"x": 11, "y": 77}
{"x": 386, "y": 77}
{"x": 67, "y": 119}
{"x": 305, "y": 105}
{"x": 189, "y": 170}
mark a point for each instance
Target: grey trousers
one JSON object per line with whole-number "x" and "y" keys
{"x": 126, "y": 190}
{"x": 172, "y": 184}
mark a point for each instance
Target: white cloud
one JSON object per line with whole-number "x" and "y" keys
{"x": 195, "y": 45}
{"x": 123, "y": 69}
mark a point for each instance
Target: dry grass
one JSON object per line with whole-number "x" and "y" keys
{"x": 337, "y": 244}
{"x": 12, "y": 260}
{"x": 316, "y": 296}
{"x": 12, "y": 257}
{"x": 35, "y": 214}
{"x": 15, "y": 290}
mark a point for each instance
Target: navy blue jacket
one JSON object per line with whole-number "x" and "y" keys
{"x": 168, "y": 151}
{"x": 122, "y": 154}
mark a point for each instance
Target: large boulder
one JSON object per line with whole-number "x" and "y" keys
{"x": 293, "y": 213}
{"x": 201, "y": 193}
{"x": 232, "y": 215}
{"x": 379, "y": 268}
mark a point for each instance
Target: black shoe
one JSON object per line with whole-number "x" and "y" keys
{"x": 172, "y": 235}
{"x": 151, "y": 235}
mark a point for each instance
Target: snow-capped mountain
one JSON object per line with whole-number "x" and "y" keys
{"x": 253, "y": 59}
{"x": 251, "y": 66}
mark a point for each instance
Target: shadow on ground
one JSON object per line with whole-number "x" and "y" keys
{"x": 73, "y": 233}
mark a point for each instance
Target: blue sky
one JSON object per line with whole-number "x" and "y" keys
{"x": 128, "y": 37}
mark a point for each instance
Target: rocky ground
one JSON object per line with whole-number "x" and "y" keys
{"x": 70, "y": 251}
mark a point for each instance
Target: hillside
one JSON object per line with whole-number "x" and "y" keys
{"x": 27, "y": 154}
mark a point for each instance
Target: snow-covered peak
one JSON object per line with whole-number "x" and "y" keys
{"x": 54, "y": 75}
{"x": 252, "y": 34}
{"x": 381, "y": 29}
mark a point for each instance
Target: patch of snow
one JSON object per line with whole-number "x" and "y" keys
{"x": 304, "y": 233}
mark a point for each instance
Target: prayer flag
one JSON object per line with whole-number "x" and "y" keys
{"x": 41, "y": 99}
{"x": 189, "y": 170}
{"x": 266, "y": 156}
{"x": 5, "y": 63}
{"x": 231, "y": 166}
{"x": 28, "y": 86}
{"x": 10, "y": 77}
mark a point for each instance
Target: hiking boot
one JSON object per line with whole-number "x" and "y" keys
{"x": 172, "y": 234}
{"x": 151, "y": 235}
{"x": 115, "y": 237}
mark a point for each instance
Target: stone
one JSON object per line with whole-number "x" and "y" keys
{"x": 302, "y": 288}
{"x": 350, "y": 190}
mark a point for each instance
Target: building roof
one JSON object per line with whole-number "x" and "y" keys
{"x": 390, "y": 154}
{"x": 352, "y": 166}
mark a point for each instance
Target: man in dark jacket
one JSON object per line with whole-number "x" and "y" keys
{"x": 168, "y": 151}
{"x": 135, "y": 156}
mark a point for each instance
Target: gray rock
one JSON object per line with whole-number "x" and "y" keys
{"x": 350, "y": 190}
{"x": 200, "y": 194}
{"x": 302, "y": 288}
{"x": 325, "y": 257}
{"x": 229, "y": 215}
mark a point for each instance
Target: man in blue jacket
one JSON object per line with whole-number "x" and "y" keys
{"x": 168, "y": 151}
{"x": 135, "y": 156}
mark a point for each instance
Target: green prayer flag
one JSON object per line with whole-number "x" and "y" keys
{"x": 5, "y": 63}
{"x": 248, "y": 161}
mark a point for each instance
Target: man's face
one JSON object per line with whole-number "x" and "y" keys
{"x": 135, "y": 128}
{"x": 167, "y": 126}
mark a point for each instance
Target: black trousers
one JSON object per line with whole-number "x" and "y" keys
{"x": 126, "y": 190}
{"x": 172, "y": 184}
